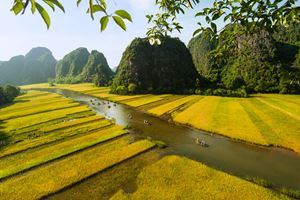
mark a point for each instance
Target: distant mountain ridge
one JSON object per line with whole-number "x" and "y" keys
{"x": 81, "y": 66}
{"x": 35, "y": 67}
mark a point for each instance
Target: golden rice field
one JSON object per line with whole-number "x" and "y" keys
{"x": 265, "y": 119}
{"x": 71, "y": 153}
{"x": 49, "y": 143}
{"x": 176, "y": 177}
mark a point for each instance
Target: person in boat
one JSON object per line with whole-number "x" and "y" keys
{"x": 147, "y": 122}
{"x": 201, "y": 142}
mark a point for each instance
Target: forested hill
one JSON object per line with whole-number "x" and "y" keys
{"x": 82, "y": 66}
{"x": 35, "y": 67}
{"x": 259, "y": 62}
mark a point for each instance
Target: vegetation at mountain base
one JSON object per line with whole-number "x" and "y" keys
{"x": 8, "y": 93}
{"x": 257, "y": 62}
{"x": 35, "y": 67}
{"x": 165, "y": 68}
{"x": 170, "y": 176}
{"x": 82, "y": 66}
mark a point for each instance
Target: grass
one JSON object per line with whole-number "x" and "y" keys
{"x": 145, "y": 100}
{"x": 22, "y": 161}
{"x": 54, "y": 136}
{"x": 107, "y": 183}
{"x": 176, "y": 177}
{"x": 26, "y": 121}
{"x": 65, "y": 172}
{"x": 73, "y": 122}
{"x": 204, "y": 108}
{"x": 169, "y": 107}
{"x": 34, "y": 109}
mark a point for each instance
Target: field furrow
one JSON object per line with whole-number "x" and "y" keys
{"x": 169, "y": 107}
{"x": 65, "y": 172}
{"x": 26, "y": 121}
{"x": 145, "y": 100}
{"x": 53, "y": 137}
{"x": 200, "y": 114}
{"x": 26, "y": 160}
{"x": 232, "y": 120}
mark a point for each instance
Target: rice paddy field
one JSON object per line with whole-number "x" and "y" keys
{"x": 54, "y": 148}
{"x": 49, "y": 143}
{"x": 179, "y": 178}
{"x": 265, "y": 119}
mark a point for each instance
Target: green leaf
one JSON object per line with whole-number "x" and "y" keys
{"x": 78, "y": 2}
{"x": 58, "y": 4}
{"x": 44, "y": 14}
{"x": 124, "y": 14}
{"x": 196, "y": 32}
{"x": 18, "y": 7}
{"x": 97, "y": 8}
{"x": 32, "y": 6}
{"x": 119, "y": 21}
{"x": 50, "y": 4}
{"x": 104, "y": 21}
{"x": 91, "y": 9}
{"x": 214, "y": 27}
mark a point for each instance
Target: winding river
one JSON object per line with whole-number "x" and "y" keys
{"x": 278, "y": 166}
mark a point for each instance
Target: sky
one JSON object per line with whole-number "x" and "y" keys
{"x": 75, "y": 29}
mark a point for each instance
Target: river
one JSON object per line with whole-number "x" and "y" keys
{"x": 278, "y": 166}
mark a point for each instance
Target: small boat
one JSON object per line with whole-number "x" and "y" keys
{"x": 147, "y": 122}
{"x": 201, "y": 142}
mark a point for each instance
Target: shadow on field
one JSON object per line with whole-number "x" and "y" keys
{"x": 12, "y": 103}
{"x": 4, "y": 140}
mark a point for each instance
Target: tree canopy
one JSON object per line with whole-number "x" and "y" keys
{"x": 8, "y": 93}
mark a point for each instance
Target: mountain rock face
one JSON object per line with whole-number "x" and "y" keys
{"x": 35, "y": 67}
{"x": 72, "y": 63}
{"x": 259, "y": 62}
{"x": 97, "y": 70}
{"x": 81, "y": 66}
{"x": 166, "y": 68}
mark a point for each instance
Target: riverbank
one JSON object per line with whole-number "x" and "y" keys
{"x": 264, "y": 119}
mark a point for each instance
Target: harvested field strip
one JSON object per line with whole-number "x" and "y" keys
{"x": 285, "y": 97}
{"x": 96, "y": 91}
{"x": 26, "y": 160}
{"x": 125, "y": 97}
{"x": 53, "y": 137}
{"x": 169, "y": 107}
{"x": 74, "y": 122}
{"x": 232, "y": 120}
{"x": 287, "y": 128}
{"x": 55, "y": 121}
{"x": 176, "y": 177}
{"x": 185, "y": 106}
{"x": 104, "y": 95}
{"x": 104, "y": 184}
{"x": 26, "y": 121}
{"x": 60, "y": 174}
{"x": 290, "y": 107}
{"x": 145, "y": 100}
{"x": 204, "y": 109}
{"x": 290, "y": 114}
{"x": 33, "y": 94}
{"x": 25, "y": 105}
{"x": 262, "y": 122}
{"x": 161, "y": 102}
{"x": 39, "y": 109}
